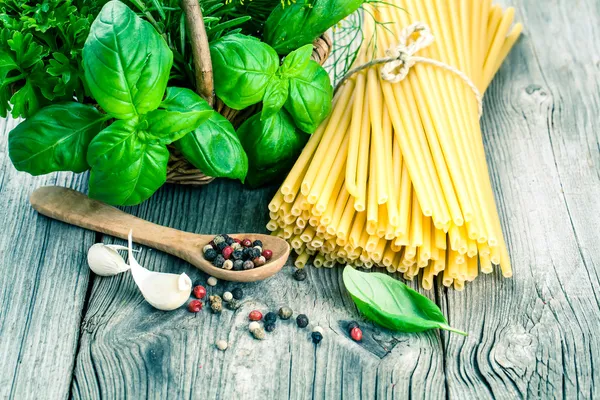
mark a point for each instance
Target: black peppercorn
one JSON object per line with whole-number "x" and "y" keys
{"x": 300, "y": 274}
{"x": 210, "y": 254}
{"x": 248, "y": 264}
{"x": 237, "y": 293}
{"x": 237, "y": 254}
{"x": 302, "y": 321}
{"x": 246, "y": 253}
{"x": 257, "y": 243}
{"x": 238, "y": 265}
{"x": 219, "y": 261}
{"x": 352, "y": 325}
{"x": 253, "y": 252}
{"x": 221, "y": 246}
{"x": 270, "y": 317}
{"x": 270, "y": 327}
{"x": 228, "y": 239}
{"x": 317, "y": 337}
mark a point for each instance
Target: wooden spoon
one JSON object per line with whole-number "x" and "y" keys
{"x": 75, "y": 208}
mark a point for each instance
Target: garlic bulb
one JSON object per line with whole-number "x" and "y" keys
{"x": 163, "y": 291}
{"x": 104, "y": 259}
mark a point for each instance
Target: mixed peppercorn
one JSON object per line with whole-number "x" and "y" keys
{"x": 236, "y": 254}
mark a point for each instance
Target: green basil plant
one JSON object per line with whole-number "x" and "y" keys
{"x": 127, "y": 65}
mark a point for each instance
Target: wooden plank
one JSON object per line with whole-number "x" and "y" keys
{"x": 128, "y": 349}
{"x": 43, "y": 283}
{"x": 535, "y": 335}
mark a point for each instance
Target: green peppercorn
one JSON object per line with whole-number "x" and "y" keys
{"x": 300, "y": 274}
{"x": 237, "y": 293}
{"x": 234, "y": 304}
{"x": 216, "y": 303}
{"x": 285, "y": 312}
{"x": 302, "y": 321}
{"x": 218, "y": 239}
{"x": 270, "y": 317}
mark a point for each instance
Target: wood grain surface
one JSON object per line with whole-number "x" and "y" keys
{"x": 532, "y": 336}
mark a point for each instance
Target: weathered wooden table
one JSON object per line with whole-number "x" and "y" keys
{"x": 65, "y": 332}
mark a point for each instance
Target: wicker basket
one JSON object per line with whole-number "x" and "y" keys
{"x": 179, "y": 170}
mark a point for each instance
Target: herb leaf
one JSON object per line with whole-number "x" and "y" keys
{"x": 275, "y": 96}
{"x": 310, "y": 97}
{"x": 243, "y": 67}
{"x": 168, "y": 126}
{"x": 295, "y": 62}
{"x": 126, "y": 167}
{"x": 126, "y": 62}
{"x": 55, "y": 139}
{"x": 393, "y": 305}
{"x": 213, "y": 147}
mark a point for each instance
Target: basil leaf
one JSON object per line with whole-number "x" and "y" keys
{"x": 213, "y": 147}
{"x": 56, "y": 138}
{"x": 135, "y": 178}
{"x": 126, "y": 62}
{"x": 242, "y": 68}
{"x": 393, "y": 305}
{"x": 116, "y": 142}
{"x": 168, "y": 126}
{"x": 295, "y": 62}
{"x": 293, "y": 25}
{"x": 310, "y": 97}
{"x": 275, "y": 96}
{"x": 272, "y": 146}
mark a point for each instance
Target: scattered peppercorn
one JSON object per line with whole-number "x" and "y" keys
{"x": 219, "y": 261}
{"x": 285, "y": 312}
{"x": 227, "y": 252}
{"x": 267, "y": 254}
{"x": 317, "y": 337}
{"x": 210, "y": 254}
{"x": 253, "y": 326}
{"x": 356, "y": 334}
{"x": 258, "y": 333}
{"x": 211, "y": 281}
{"x": 352, "y": 325}
{"x": 300, "y": 274}
{"x": 270, "y": 317}
{"x": 237, "y": 293}
{"x": 234, "y": 304}
{"x": 246, "y": 242}
{"x": 216, "y": 303}
{"x": 195, "y": 306}
{"x": 237, "y": 254}
{"x": 228, "y": 264}
{"x": 248, "y": 264}
{"x": 302, "y": 321}
{"x": 255, "y": 315}
{"x": 221, "y": 345}
{"x": 270, "y": 327}
{"x": 227, "y": 296}
{"x": 199, "y": 292}
{"x": 259, "y": 261}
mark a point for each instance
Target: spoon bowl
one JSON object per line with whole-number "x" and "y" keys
{"x": 75, "y": 208}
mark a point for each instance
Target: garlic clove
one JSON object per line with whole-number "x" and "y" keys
{"x": 104, "y": 260}
{"x": 163, "y": 291}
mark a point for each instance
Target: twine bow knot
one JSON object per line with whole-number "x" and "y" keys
{"x": 401, "y": 58}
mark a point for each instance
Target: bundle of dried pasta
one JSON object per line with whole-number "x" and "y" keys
{"x": 396, "y": 177}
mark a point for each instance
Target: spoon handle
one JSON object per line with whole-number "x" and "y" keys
{"x": 75, "y": 208}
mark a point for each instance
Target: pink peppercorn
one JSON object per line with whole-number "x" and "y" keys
{"x": 255, "y": 315}
{"x": 246, "y": 242}
{"x": 199, "y": 292}
{"x": 237, "y": 240}
{"x": 227, "y": 252}
{"x": 356, "y": 334}
{"x": 195, "y": 306}
{"x": 267, "y": 254}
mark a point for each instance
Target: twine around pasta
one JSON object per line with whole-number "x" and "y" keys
{"x": 401, "y": 58}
